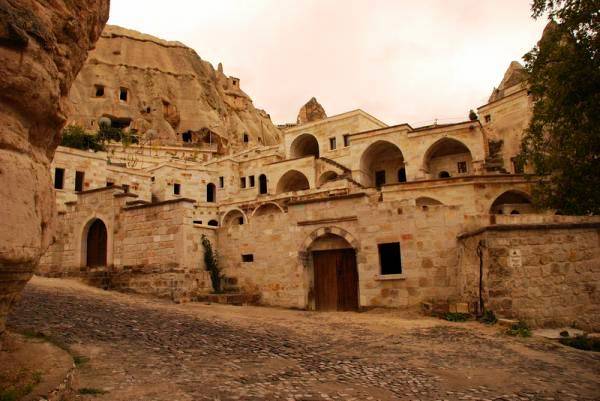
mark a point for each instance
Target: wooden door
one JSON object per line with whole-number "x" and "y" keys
{"x": 336, "y": 280}
{"x": 96, "y": 244}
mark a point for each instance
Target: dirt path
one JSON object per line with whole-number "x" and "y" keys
{"x": 147, "y": 349}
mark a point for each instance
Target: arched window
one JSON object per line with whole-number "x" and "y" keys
{"x": 402, "y": 175}
{"x": 211, "y": 190}
{"x": 444, "y": 174}
{"x": 292, "y": 181}
{"x": 213, "y": 223}
{"x": 262, "y": 184}
{"x": 512, "y": 202}
{"x": 381, "y": 160}
{"x": 304, "y": 145}
{"x": 449, "y": 156}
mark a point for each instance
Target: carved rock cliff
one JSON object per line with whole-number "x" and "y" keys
{"x": 42, "y": 47}
{"x": 311, "y": 111}
{"x": 166, "y": 93}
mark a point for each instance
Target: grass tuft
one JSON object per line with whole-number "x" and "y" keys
{"x": 91, "y": 391}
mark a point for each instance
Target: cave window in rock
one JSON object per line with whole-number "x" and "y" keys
{"x": 96, "y": 244}
{"x": 211, "y": 191}
{"x": 123, "y": 94}
{"x": 245, "y": 138}
{"x": 402, "y": 175}
{"x": 59, "y": 178}
{"x": 79, "y": 178}
{"x": 380, "y": 160}
{"x": 446, "y": 158}
{"x": 176, "y": 189}
{"x": 221, "y": 182}
{"x": 262, "y": 184}
{"x": 186, "y": 137}
{"x": 512, "y": 202}
{"x": 99, "y": 90}
{"x": 213, "y": 223}
{"x": 292, "y": 181}
{"x": 304, "y": 145}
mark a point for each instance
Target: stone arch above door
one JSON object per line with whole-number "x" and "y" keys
{"x": 303, "y": 252}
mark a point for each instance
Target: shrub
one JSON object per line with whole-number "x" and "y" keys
{"x": 489, "y": 317}
{"x": 75, "y": 137}
{"x": 212, "y": 265}
{"x": 519, "y": 329}
{"x": 582, "y": 342}
{"x": 456, "y": 317}
{"x": 473, "y": 115}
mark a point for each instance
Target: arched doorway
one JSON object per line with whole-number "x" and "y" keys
{"x": 334, "y": 274}
{"x": 304, "y": 145}
{"x": 211, "y": 190}
{"x": 380, "y": 163}
{"x": 512, "y": 202}
{"x": 326, "y": 177}
{"x": 447, "y": 158}
{"x": 96, "y": 244}
{"x": 262, "y": 184}
{"x": 291, "y": 181}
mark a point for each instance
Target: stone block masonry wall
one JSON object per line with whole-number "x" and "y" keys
{"x": 545, "y": 274}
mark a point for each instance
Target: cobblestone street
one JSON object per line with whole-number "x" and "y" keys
{"x": 147, "y": 349}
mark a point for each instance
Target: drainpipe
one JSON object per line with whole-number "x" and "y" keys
{"x": 480, "y": 247}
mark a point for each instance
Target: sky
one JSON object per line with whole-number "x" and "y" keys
{"x": 403, "y": 61}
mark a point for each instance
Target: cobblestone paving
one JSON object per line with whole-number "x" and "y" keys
{"x": 142, "y": 349}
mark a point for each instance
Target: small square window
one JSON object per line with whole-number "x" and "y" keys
{"x": 246, "y": 138}
{"x": 332, "y": 144}
{"x": 59, "y": 178}
{"x": 390, "y": 260}
{"x": 176, "y": 189}
{"x": 488, "y": 118}
{"x": 462, "y": 167}
{"x": 79, "y": 177}
{"x": 99, "y": 90}
{"x": 221, "y": 182}
{"x": 110, "y": 183}
{"x": 248, "y": 258}
{"x": 243, "y": 182}
{"x": 252, "y": 183}
{"x": 346, "y": 140}
{"x": 123, "y": 94}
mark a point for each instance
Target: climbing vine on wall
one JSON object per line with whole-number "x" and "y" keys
{"x": 212, "y": 265}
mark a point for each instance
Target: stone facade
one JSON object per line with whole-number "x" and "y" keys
{"x": 399, "y": 197}
{"x": 545, "y": 273}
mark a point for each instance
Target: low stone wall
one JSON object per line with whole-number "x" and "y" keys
{"x": 547, "y": 274}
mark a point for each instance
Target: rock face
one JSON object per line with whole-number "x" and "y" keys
{"x": 170, "y": 92}
{"x": 515, "y": 74}
{"x": 42, "y": 47}
{"x": 311, "y": 111}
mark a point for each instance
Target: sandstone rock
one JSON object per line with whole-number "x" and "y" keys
{"x": 515, "y": 74}
{"x": 170, "y": 90}
{"x": 311, "y": 111}
{"x": 42, "y": 47}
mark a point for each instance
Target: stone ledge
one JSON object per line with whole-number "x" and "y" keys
{"x": 533, "y": 226}
{"x": 327, "y": 221}
{"x": 390, "y": 277}
{"x": 327, "y": 199}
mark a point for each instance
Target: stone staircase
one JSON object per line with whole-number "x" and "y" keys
{"x": 346, "y": 173}
{"x": 231, "y": 295}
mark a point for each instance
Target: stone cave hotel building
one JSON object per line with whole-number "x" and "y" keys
{"x": 330, "y": 213}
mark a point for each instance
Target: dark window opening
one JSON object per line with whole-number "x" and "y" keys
{"x": 99, "y": 90}
{"x": 243, "y": 182}
{"x": 379, "y": 178}
{"x": 123, "y": 94}
{"x": 221, "y": 182}
{"x": 110, "y": 183}
{"x": 402, "y": 175}
{"x": 488, "y": 118}
{"x": 444, "y": 174}
{"x": 125, "y": 188}
{"x": 462, "y": 167}
{"x": 79, "y": 176}
{"x": 248, "y": 257}
{"x": 515, "y": 212}
{"x": 59, "y": 178}
{"x": 240, "y": 220}
{"x": 186, "y": 136}
{"x": 332, "y": 143}
{"x": 246, "y": 138}
{"x": 347, "y": 140}
{"x": 389, "y": 258}
{"x": 177, "y": 189}
{"x": 210, "y": 192}
{"x": 517, "y": 166}
{"x": 213, "y": 223}
{"x": 197, "y": 221}
{"x": 262, "y": 184}
{"x": 252, "y": 181}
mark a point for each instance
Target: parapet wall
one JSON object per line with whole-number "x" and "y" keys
{"x": 544, "y": 272}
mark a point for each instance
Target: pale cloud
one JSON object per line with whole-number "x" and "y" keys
{"x": 402, "y": 61}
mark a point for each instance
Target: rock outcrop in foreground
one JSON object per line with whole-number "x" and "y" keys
{"x": 166, "y": 93}
{"x": 42, "y": 48}
{"x": 311, "y": 111}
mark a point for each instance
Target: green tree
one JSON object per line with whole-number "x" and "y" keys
{"x": 562, "y": 142}
{"x": 73, "y": 136}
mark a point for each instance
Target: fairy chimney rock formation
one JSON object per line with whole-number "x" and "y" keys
{"x": 311, "y": 111}
{"x": 42, "y": 48}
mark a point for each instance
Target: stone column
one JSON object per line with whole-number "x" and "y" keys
{"x": 42, "y": 48}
